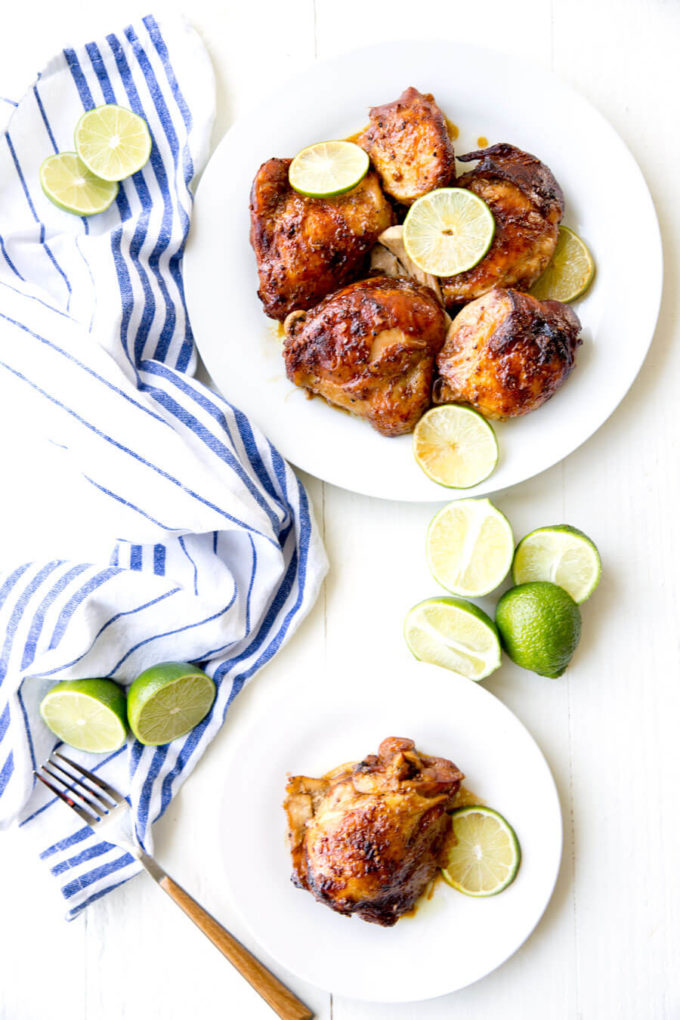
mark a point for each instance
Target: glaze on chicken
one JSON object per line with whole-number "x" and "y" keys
{"x": 369, "y": 837}
{"x": 506, "y": 353}
{"x": 409, "y": 146}
{"x": 370, "y": 348}
{"x": 527, "y": 206}
{"x": 307, "y": 247}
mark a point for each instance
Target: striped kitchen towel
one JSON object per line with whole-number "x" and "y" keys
{"x": 212, "y": 553}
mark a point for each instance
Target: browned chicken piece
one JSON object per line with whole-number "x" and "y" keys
{"x": 369, "y": 837}
{"x": 369, "y": 348}
{"x": 527, "y": 205}
{"x": 409, "y": 146}
{"x": 506, "y": 353}
{"x": 307, "y": 247}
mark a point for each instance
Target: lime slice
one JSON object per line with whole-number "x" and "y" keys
{"x": 448, "y": 231}
{"x": 69, "y": 184}
{"x": 540, "y": 626}
{"x": 486, "y": 856}
{"x": 455, "y": 634}
{"x": 469, "y": 547}
{"x": 561, "y": 554}
{"x": 455, "y": 446}
{"x": 570, "y": 272}
{"x": 112, "y": 142}
{"x": 328, "y": 168}
{"x": 86, "y": 714}
{"x": 168, "y": 700}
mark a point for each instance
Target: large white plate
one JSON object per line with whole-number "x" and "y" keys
{"x": 452, "y": 940}
{"x": 485, "y": 94}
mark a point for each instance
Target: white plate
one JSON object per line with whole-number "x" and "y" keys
{"x": 453, "y": 939}
{"x": 484, "y": 93}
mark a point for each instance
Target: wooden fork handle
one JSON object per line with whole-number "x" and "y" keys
{"x": 280, "y": 998}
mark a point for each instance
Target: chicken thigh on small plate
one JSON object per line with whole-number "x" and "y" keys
{"x": 409, "y": 145}
{"x": 506, "y": 353}
{"x": 527, "y": 206}
{"x": 370, "y": 348}
{"x": 307, "y": 247}
{"x": 369, "y": 837}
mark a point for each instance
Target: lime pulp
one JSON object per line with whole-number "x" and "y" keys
{"x": 168, "y": 700}
{"x": 86, "y": 714}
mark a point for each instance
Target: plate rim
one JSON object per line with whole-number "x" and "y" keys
{"x": 653, "y": 241}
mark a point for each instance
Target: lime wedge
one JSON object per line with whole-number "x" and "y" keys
{"x": 486, "y": 856}
{"x": 328, "y": 168}
{"x": 112, "y": 142}
{"x": 469, "y": 547}
{"x": 168, "y": 700}
{"x": 561, "y": 554}
{"x": 570, "y": 272}
{"x": 454, "y": 634}
{"x": 86, "y": 714}
{"x": 69, "y": 184}
{"x": 448, "y": 231}
{"x": 455, "y": 446}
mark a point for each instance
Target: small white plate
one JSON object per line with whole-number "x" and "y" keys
{"x": 485, "y": 94}
{"x": 452, "y": 940}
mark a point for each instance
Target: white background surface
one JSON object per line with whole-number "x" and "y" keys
{"x": 609, "y": 943}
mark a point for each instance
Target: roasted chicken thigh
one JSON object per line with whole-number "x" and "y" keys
{"x": 409, "y": 146}
{"x": 527, "y": 206}
{"x": 369, "y": 837}
{"x": 506, "y": 353}
{"x": 307, "y": 247}
{"x": 370, "y": 348}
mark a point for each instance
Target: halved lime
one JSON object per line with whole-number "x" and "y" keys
{"x": 86, "y": 714}
{"x": 328, "y": 168}
{"x": 455, "y": 634}
{"x": 570, "y": 272}
{"x": 455, "y": 446}
{"x": 448, "y": 231}
{"x": 168, "y": 700}
{"x": 561, "y": 554}
{"x": 540, "y": 626}
{"x": 112, "y": 142}
{"x": 69, "y": 184}
{"x": 486, "y": 856}
{"x": 469, "y": 547}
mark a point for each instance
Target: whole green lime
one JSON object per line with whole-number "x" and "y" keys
{"x": 540, "y": 626}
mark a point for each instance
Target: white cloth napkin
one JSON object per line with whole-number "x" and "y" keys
{"x": 214, "y": 555}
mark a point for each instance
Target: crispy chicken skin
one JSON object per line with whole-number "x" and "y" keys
{"x": 506, "y": 353}
{"x": 369, "y": 837}
{"x": 527, "y": 206}
{"x": 409, "y": 146}
{"x": 307, "y": 247}
{"x": 369, "y": 348}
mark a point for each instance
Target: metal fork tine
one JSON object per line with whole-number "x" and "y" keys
{"x": 85, "y": 815}
{"x": 76, "y": 786}
{"x": 108, "y": 790}
{"x": 80, "y": 777}
{"x": 73, "y": 791}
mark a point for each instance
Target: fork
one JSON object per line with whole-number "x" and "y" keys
{"x": 104, "y": 809}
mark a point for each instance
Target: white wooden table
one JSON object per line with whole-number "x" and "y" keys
{"x": 609, "y": 943}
